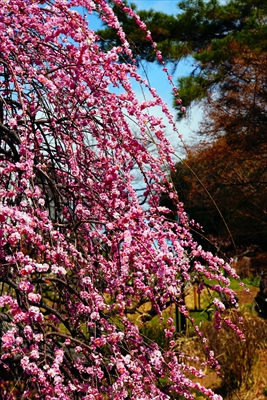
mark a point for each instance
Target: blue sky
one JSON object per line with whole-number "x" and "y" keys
{"x": 158, "y": 79}
{"x": 167, "y": 6}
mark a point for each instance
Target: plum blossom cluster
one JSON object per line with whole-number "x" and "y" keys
{"x": 78, "y": 253}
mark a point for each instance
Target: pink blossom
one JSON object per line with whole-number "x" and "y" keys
{"x": 8, "y": 339}
{"x": 219, "y": 304}
{"x": 34, "y": 297}
{"x": 25, "y": 286}
{"x": 35, "y": 313}
{"x": 81, "y": 249}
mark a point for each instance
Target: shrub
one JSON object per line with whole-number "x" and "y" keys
{"x": 237, "y": 358}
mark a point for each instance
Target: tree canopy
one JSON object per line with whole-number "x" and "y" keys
{"x": 210, "y": 32}
{"x": 79, "y": 254}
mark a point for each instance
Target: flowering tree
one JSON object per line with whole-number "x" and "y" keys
{"x": 78, "y": 253}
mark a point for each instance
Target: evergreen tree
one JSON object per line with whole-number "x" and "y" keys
{"x": 209, "y": 32}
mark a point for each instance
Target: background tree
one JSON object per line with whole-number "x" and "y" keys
{"x": 227, "y": 43}
{"x": 78, "y": 253}
{"x": 232, "y": 166}
{"x": 228, "y": 200}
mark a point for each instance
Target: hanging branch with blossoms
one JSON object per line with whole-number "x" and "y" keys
{"x": 78, "y": 253}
